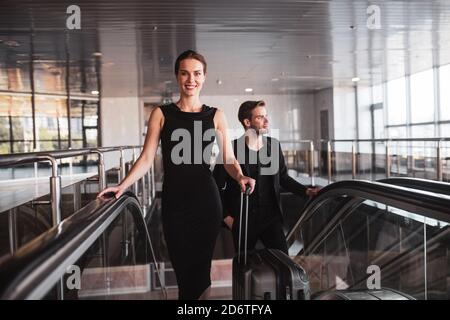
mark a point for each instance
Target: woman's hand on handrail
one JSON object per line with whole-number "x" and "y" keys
{"x": 111, "y": 192}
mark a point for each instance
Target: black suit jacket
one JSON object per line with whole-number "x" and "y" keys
{"x": 230, "y": 190}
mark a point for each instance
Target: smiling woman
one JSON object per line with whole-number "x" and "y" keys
{"x": 191, "y": 206}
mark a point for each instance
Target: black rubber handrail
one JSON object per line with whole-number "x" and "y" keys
{"x": 36, "y": 262}
{"x": 420, "y": 184}
{"x": 428, "y": 204}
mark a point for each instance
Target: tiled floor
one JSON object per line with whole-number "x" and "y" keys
{"x": 134, "y": 282}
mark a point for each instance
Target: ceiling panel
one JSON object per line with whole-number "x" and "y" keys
{"x": 271, "y": 46}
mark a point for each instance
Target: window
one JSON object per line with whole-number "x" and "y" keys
{"x": 51, "y": 121}
{"x": 444, "y": 85}
{"x": 364, "y": 115}
{"x": 422, "y": 97}
{"x": 377, "y": 93}
{"x": 396, "y": 101}
{"x": 15, "y": 112}
{"x": 445, "y": 130}
{"x": 397, "y": 132}
{"x": 425, "y": 131}
{"x": 49, "y": 74}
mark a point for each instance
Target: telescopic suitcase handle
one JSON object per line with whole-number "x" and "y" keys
{"x": 247, "y": 193}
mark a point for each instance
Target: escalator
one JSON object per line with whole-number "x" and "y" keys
{"x": 102, "y": 251}
{"x": 419, "y": 184}
{"x": 358, "y": 236}
{"x": 356, "y": 240}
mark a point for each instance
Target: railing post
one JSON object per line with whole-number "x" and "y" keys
{"x": 329, "y": 161}
{"x": 144, "y": 202}
{"x": 388, "y": 161}
{"x": 55, "y": 190}
{"x": 153, "y": 182}
{"x": 144, "y": 192}
{"x": 77, "y": 197}
{"x": 311, "y": 160}
{"x": 122, "y": 165}
{"x": 439, "y": 161}
{"x": 101, "y": 170}
{"x": 149, "y": 188}
{"x": 353, "y": 160}
{"x": 70, "y": 165}
{"x": 12, "y": 227}
{"x": 136, "y": 184}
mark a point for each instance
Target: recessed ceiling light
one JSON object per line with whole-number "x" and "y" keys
{"x": 97, "y": 54}
{"x": 355, "y": 79}
{"x": 95, "y": 92}
{"x": 219, "y": 82}
{"x": 275, "y": 79}
{"x": 168, "y": 81}
{"x": 155, "y": 28}
{"x": 248, "y": 90}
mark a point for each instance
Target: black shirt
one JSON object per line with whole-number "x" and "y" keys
{"x": 262, "y": 202}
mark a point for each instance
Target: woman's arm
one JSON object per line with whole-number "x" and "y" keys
{"x": 145, "y": 160}
{"x": 231, "y": 165}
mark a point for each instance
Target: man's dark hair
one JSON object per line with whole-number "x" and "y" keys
{"x": 190, "y": 54}
{"x": 246, "y": 108}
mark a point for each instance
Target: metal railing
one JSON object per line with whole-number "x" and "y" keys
{"x": 388, "y": 154}
{"x": 148, "y": 194}
{"x": 311, "y": 157}
{"x": 326, "y": 160}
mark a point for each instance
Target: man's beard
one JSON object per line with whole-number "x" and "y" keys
{"x": 260, "y": 132}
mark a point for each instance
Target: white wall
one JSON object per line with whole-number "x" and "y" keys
{"x": 364, "y": 118}
{"x": 120, "y": 121}
{"x": 292, "y": 115}
{"x": 344, "y": 113}
{"x": 120, "y": 125}
{"x": 121, "y": 108}
{"x": 323, "y": 100}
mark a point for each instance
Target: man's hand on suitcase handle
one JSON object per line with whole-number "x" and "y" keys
{"x": 247, "y": 184}
{"x": 312, "y": 192}
{"x": 228, "y": 220}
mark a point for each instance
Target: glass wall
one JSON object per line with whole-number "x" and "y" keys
{"x": 51, "y": 120}
{"x": 62, "y": 78}
{"x": 396, "y": 101}
{"x": 415, "y": 106}
{"x": 16, "y": 124}
{"x": 444, "y": 97}
{"x": 422, "y": 97}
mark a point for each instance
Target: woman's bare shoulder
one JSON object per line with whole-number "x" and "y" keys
{"x": 219, "y": 118}
{"x": 157, "y": 116}
{"x": 219, "y": 114}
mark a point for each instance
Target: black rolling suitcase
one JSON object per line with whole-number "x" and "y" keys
{"x": 267, "y": 274}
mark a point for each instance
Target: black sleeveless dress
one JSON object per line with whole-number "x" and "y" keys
{"x": 191, "y": 206}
